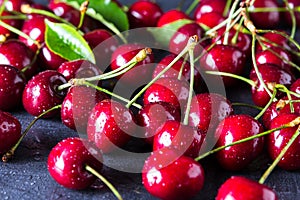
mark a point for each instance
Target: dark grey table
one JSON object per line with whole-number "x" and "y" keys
{"x": 27, "y": 177}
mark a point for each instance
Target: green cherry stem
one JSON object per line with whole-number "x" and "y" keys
{"x": 192, "y": 7}
{"x": 247, "y": 105}
{"x": 8, "y": 155}
{"x": 279, "y": 157}
{"x": 288, "y": 94}
{"x": 227, "y": 7}
{"x": 82, "y": 9}
{"x": 288, "y": 125}
{"x": 182, "y": 67}
{"x": 217, "y": 73}
{"x": 294, "y": 25}
{"x": 105, "y": 181}
{"x": 230, "y": 17}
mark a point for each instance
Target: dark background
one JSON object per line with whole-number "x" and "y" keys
{"x": 27, "y": 177}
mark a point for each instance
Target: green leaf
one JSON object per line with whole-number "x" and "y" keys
{"x": 164, "y": 34}
{"x": 65, "y": 41}
{"x": 106, "y": 9}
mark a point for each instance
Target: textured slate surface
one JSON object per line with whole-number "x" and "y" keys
{"x": 26, "y": 176}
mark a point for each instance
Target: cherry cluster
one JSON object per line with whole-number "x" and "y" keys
{"x": 213, "y": 44}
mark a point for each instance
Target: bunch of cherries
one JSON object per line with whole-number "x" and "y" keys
{"x": 173, "y": 110}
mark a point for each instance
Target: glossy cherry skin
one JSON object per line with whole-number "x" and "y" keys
{"x": 141, "y": 72}
{"x": 277, "y": 140}
{"x": 167, "y": 176}
{"x": 274, "y": 38}
{"x": 224, "y": 58}
{"x": 207, "y": 110}
{"x": 12, "y": 84}
{"x": 270, "y": 74}
{"x": 12, "y": 22}
{"x": 180, "y": 38}
{"x": 171, "y": 16}
{"x": 144, "y": 14}
{"x": 271, "y": 19}
{"x": 77, "y": 106}
{"x": 67, "y": 161}
{"x": 20, "y": 60}
{"x": 152, "y": 116}
{"x": 295, "y": 87}
{"x": 110, "y": 125}
{"x": 209, "y": 6}
{"x": 183, "y": 138}
{"x": 41, "y": 93}
{"x": 210, "y": 19}
{"x": 170, "y": 90}
{"x": 238, "y": 187}
{"x": 234, "y": 128}
{"x": 10, "y": 131}
{"x": 15, "y": 5}
{"x": 78, "y": 69}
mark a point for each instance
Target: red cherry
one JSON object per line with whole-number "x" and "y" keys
{"x": 12, "y": 22}
{"x": 274, "y": 38}
{"x": 141, "y": 71}
{"x": 295, "y": 87}
{"x": 152, "y": 116}
{"x": 224, "y": 58}
{"x": 238, "y": 187}
{"x": 168, "y": 176}
{"x": 277, "y": 140}
{"x": 171, "y": 16}
{"x": 182, "y": 138}
{"x": 210, "y": 19}
{"x": 49, "y": 59}
{"x": 10, "y": 131}
{"x": 270, "y": 74}
{"x": 110, "y": 125}
{"x": 287, "y": 15}
{"x": 20, "y": 60}
{"x": 180, "y": 39}
{"x": 15, "y": 5}
{"x": 234, "y": 128}
{"x": 209, "y": 6}
{"x": 12, "y": 84}
{"x": 41, "y": 93}
{"x": 67, "y": 161}
{"x": 144, "y": 14}
{"x": 170, "y": 90}
{"x": 77, "y": 106}
{"x": 271, "y": 19}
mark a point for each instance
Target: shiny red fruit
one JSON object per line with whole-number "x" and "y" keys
{"x": 171, "y": 16}
{"x": 209, "y": 6}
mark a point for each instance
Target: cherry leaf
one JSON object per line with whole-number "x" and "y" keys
{"x": 164, "y": 34}
{"x": 65, "y": 41}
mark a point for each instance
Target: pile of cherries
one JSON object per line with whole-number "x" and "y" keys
{"x": 222, "y": 42}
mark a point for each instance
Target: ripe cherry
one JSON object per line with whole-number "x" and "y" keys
{"x": 10, "y": 131}
{"x": 110, "y": 125}
{"x": 12, "y": 22}
{"x": 287, "y": 15}
{"x": 12, "y": 84}
{"x": 234, "y": 128}
{"x": 15, "y": 5}
{"x": 144, "y": 14}
{"x": 41, "y": 93}
{"x": 168, "y": 176}
{"x": 67, "y": 161}
{"x": 210, "y": 19}
{"x": 171, "y": 16}
{"x": 295, "y": 87}
{"x": 209, "y": 6}
{"x": 238, "y": 187}
{"x": 50, "y": 60}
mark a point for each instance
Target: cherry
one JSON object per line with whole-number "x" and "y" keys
{"x": 141, "y": 72}
{"x": 50, "y": 60}
{"x": 152, "y": 116}
{"x": 224, "y": 58}
{"x": 207, "y": 110}
{"x": 20, "y": 60}
{"x": 180, "y": 39}
{"x": 12, "y": 84}
{"x": 10, "y": 131}
{"x": 77, "y": 106}
{"x": 271, "y": 19}
{"x": 210, "y": 19}
{"x": 238, "y": 187}
{"x": 171, "y": 16}
{"x": 41, "y": 93}
{"x": 277, "y": 140}
{"x": 234, "y": 128}
{"x": 274, "y": 38}
{"x": 287, "y": 15}
{"x": 110, "y": 125}
{"x": 15, "y": 5}
{"x": 168, "y": 176}
{"x": 169, "y": 90}
{"x": 78, "y": 69}
{"x": 295, "y": 87}
{"x": 209, "y": 6}
{"x": 144, "y": 14}
{"x": 67, "y": 161}
{"x": 270, "y": 74}
{"x": 183, "y": 138}
{"x": 12, "y": 22}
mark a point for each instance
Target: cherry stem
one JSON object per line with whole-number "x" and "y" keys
{"x": 288, "y": 94}
{"x": 2, "y": 7}
{"x": 279, "y": 157}
{"x": 8, "y": 155}
{"x": 182, "y": 67}
{"x": 82, "y": 9}
{"x": 288, "y": 125}
{"x": 83, "y": 82}
{"x": 247, "y": 105}
{"x": 192, "y": 7}
{"x": 230, "y": 17}
{"x": 226, "y": 9}
{"x": 268, "y": 105}
{"x": 217, "y": 73}
{"x": 191, "y": 44}
{"x": 273, "y": 9}
{"x": 236, "y": 35}
{"x": 34, "y": 59}
{"x": 294, "y": 25}
{"x": 105, "y": 181}
{"x": 191, "y": 89}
